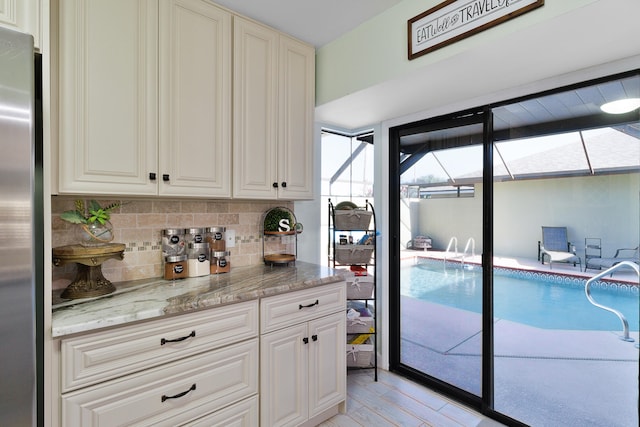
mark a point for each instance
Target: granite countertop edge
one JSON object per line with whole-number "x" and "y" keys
{"x": 157, "y": 298}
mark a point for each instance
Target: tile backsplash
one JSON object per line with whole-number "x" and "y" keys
{"x": 138, "y": 223}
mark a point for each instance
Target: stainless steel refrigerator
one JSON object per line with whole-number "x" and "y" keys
{"x": 21, "y": 232}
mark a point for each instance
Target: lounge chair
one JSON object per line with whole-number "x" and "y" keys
{"x": 622, "y": 254}
{"x": 556, "y": 247}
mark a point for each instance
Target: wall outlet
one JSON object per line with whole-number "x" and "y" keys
{"x": 230, "y": 238}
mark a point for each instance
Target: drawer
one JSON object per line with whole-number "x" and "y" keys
{"x": 169, "y": 395}
{"x": 300, "y": 306}
{"x": 106, "y": 355}
{"x": 241, "y": 414}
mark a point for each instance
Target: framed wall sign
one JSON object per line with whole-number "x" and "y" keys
{"x": 454, "y": 20}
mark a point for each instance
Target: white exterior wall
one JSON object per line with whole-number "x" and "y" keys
{"x": 596, "y": 206}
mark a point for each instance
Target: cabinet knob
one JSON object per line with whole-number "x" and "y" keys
{"x": 152, "y": 176}
{"x": 275, "y": 185}
{"x": 165, "y": 177}
{"x": 314, "y": 337}
{"x": 284, "y": 184}
{"x": 305, "y": 340}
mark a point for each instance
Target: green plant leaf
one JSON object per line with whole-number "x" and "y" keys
{"x": 73, "y": 217}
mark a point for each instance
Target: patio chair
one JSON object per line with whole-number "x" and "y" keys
{"x": 556, "y": 247}
{"x": 622, "y": 254}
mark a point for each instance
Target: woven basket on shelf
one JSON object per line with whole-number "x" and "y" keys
{"x": 360, "y": 355}
{"x": 354, "y": 254}
{"x": 352, "y": 219}
{"x": 360, "y": 287}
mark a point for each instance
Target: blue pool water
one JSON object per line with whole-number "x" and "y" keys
{"x": 536, "y": 299}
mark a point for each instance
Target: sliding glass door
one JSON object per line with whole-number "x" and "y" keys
{"x": 440, "y": 269}
{"x": 564, "y": 203}
{"x": 505, "y": 221}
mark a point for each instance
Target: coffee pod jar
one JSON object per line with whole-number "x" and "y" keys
{"x": 215, "y": 237}
{"x": 198, "y": 254}
{"x": 220, "y": 262}
{"x": 173, "y": 242}
{"x": 176, "y": 267}
{"x": 194, "y": 235}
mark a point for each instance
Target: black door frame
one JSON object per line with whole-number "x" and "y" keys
{"x": 484, "y": 403}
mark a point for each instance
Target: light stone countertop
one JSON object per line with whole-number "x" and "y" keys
{"x": 154, "y": 298}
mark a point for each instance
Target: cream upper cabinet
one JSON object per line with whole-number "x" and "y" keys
{"x": 146, "y": 89}
{"x": 274, "y": 79}
{"x": 145, "y": 98}
{"x": 108, "y": 90}
{"x": 195, "y": 99}
{"x": 295, "y": 123}
{"x": 24, "y": 16}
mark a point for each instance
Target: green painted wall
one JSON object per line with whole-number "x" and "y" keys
{"x": 376, "y": 51}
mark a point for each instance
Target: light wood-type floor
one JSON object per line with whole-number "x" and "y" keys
{"x": 396, "y": 401}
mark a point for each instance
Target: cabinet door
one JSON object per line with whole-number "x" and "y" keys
{"x": 284, "y": 377}
{"x": 195, "y": 99}
{"x": 327, "y": 363}
{"x": 255, "y": 108}
{"x": 295, "y": 122}
{"x": 24, "y": 16}
{"x": 108, "y": 96}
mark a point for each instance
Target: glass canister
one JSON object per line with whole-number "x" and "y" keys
{"x": 220, "y": 262}
{"x": 176, "y": 267}
{"x": 173, "y": 242}
{"x": 194, "y": 235}
{"x": 198, "y": 254}
{"x": 216, "y": 238}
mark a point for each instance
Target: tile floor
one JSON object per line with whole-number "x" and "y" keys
{"x": 396, "y": 401}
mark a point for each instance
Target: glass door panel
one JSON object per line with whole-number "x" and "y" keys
{"x": 440, "y": 268}
{"x": 558, "y": 359}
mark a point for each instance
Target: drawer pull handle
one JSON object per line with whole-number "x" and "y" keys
{"x": 179, "y": 395}
{"x": 163, "y": 341}
{"x": 314, "y": 337}
{"x": 300, "y": 307}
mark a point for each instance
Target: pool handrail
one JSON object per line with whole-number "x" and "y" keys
{"x": 471, "y": 241}
{"x": 452, "y": 241}
{"x": 587, "y": 291}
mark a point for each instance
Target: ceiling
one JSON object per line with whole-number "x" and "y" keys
{"x": 317, "y": 22}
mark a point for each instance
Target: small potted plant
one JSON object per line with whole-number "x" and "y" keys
{"x": 279, "y": 221}
{"x": 94, "y": 227}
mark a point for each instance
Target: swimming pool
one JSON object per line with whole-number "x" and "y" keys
{"x": 537, "y": 299}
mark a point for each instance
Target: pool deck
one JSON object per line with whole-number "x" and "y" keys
{"x": 623, "y": 274}
{"x": 591, "y": 375}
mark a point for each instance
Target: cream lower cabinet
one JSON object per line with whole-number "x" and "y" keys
{"x": 144, "y": 98}
{"x": 274, "y": 93}
{"x": 302, "y": 360}
{"x": 195, "y": 369}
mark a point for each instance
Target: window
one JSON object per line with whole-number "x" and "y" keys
{"x": 347, "y": 171}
